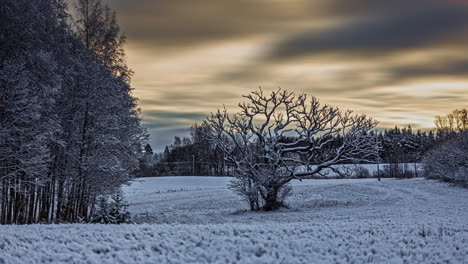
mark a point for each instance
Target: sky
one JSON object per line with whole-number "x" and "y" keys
{"x": 401, "y": 62}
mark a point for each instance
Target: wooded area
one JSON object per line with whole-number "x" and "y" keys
{"x": 69, "y": 124}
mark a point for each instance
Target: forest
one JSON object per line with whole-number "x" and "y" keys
{"x": 69, "y": 124}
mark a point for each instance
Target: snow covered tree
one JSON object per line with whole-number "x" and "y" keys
{"x": 100, "y": 116}
{"x": 29, "y": 85}
{"x": 147, "y": 161}
{"x": 254, "y": 140}
{"x": 448, "y": 160}
{"x": 69, "y": 125}
{"x": 111, "y": 210}
{"x": 177, "y": 141}
{"x": 96, "y": 25}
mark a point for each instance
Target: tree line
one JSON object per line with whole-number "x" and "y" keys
{"x": 69, "y": 124}
{"x": 193, "y": 155}
{"x": 197, "y": 155}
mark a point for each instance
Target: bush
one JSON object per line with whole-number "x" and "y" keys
{"x": 245, "y": 187}
{"x": 114, "y": 211}
{"x": 256, "y": 194}
{"x": 449, "y": 161}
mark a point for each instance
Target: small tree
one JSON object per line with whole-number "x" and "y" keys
{"x": 147, "y": 161}
{"x": 114, "y": 211}
{"x": 257, "y": 141}
{"x": 119, "y": 209}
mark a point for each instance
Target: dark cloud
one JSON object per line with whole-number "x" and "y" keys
{"x": 354, "y": 79}
{"x": 450, "y": 68}
{"x": 178, "y": 24}
{"x": 188, "y": 96}
{"x": 167, "y": 23}
{"x": 156, "y": 114}
{"x": 379, "y": 36}
{"x": 363, "y": 8}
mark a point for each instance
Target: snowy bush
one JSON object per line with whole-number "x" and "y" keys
{"x": 449, "y": 161}
{"x": 255, "y": 192}
{"x": 245, "y": 187}
{"x": 114, "y": 211}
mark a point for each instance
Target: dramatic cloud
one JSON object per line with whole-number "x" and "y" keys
{"x": 399, "y": 61}
{"x": 175, "y": 24}
{"x": 380, "y": 36}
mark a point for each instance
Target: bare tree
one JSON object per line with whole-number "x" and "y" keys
{"x": 257, "y": 140}
{"x": 97, "y": 27}
{"x": 448, "y": 161}
{"x": 456, "y": 121}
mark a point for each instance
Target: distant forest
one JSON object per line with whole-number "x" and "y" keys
{"x": 197, "y": 155}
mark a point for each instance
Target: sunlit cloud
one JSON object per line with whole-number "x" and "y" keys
{"x": 402, "y": 62}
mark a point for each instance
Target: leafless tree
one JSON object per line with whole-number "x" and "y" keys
{"x": 456, "y": 121}
{"x": 448, "y": 161}
{"x": 256, "y": 141}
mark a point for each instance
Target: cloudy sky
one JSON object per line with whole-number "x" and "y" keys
{"x": 401, "y": 61}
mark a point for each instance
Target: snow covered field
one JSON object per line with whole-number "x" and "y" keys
{"x": 198, "y": 220}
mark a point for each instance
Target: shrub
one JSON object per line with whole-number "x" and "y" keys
{"x": 114, "y": 211}
{"x": 448, "y": 161}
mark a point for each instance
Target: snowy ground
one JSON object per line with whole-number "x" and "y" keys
{"x": 197, "y": 220}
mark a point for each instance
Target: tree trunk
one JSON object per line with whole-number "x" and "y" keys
{"x": 271, "y": 200}
{"x": 32, "y": 197}
{"x": 59, "y": 210}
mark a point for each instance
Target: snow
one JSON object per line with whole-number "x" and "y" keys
{"x": 234, "y": 243}
{"x": 198, "y": 220}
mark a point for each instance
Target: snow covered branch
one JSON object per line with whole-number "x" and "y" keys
{"x": 277, "y": 137}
